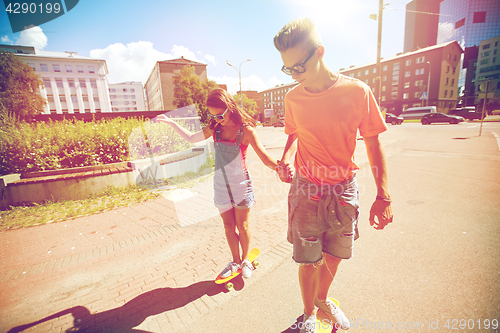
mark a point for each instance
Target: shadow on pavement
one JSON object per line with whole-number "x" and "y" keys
{"x": 132, "y": 313}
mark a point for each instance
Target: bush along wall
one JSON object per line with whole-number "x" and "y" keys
{"x": 30, "y": 147}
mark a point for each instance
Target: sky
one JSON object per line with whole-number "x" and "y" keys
{"x": 132, "y": 35}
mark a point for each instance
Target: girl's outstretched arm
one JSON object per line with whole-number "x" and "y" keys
{"x": 205, "y": 133}
{"x": 264, "y": 156}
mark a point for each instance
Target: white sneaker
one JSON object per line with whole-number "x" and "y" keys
{"x": 230, "y": 269}
{"x": 335, "y": 315}
{"x": 246, "y": 268}
{"x": 308, "y": 324}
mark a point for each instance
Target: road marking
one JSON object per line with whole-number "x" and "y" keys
{"x": 498, "y": 139}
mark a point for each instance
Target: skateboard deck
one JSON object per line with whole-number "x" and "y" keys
{"x": 251, "y": 256}
{"x": 326, "y": 326}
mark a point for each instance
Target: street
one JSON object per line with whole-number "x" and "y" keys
{"x": 150, "y": 267}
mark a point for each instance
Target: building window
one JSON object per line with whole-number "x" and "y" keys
{"x": 50, "y": 98}
{"x": 460, "y": 23}
{"x": 127, "y": 102}
{"x": 407, "y": 74}
{"x": 93, "y": 83}
{"x": 485, "y": 54}
{"x": 479, "y": 17}
{"x": 80, "y": 69}
{"x": 484, "y": 61}
{"x": 96, "y": 98}
{"x": 71, "y": 83}
{"x": 406, "y": 96}
{"x": 112, "y": 90}
{"x": 447, "y": 80}
{"x": 74, "y": 99}
{"x": 447, "y": 69}
{"x": 59, "y": 83}
{"x": 454, "y": 69}
{"x": 445, "y": 93}
{"x": 451, "y": 93}
{"x": 419, "y": 83}
{"x": 46, "y": 82}
{"x": 359, "y": 74}
{"x": 44, "y": 67}
{"x": 452, "y": 82}
{"x": 133, "y": 97}
{"x": 367, "y": 72}
{"x": 408, "y": 62}
{"x": 62, "y": 98}
{"x": 374, "y": 70}
{"x": 407, "y": 84}
{"x": 384, "y": 68}
{"x": 56, "y": 68}
{"x": 383, "y": 98}
{"x": 420, "y": 60}
{"x": 112, "y": 96}
{"x": 494, "y": 59}
{"x": 383, "y": 88}
{"x": 417, "y": 95}
{"x": 85, "y": 98}
{"x": 125, "y": 96}
{"x": 486, "y": 46}
{"x": 132, "y": 90}
{"x": 32, "y": 66}
{"x": 82, "y": 83}
{"x": 69, "y": 69}
{"x": 384, "y": 78}
{"x": 124, "y": 90}
{"x": 91, "y": 69}
{"x": 419, "y": 71}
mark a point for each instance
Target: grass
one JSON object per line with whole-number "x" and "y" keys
{"x": 50, "y": 212}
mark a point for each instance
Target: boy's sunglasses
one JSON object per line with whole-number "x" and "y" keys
{"x": 218, "y": 116}
{"x": 300, "y": 68}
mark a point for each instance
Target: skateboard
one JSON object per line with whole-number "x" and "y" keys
{"x": 229, "y": 285}
{"x": 326, "y": 326}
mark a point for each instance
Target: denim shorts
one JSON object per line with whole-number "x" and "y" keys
{"x": 328, "y": 225}
{"x": 242, "y": 193}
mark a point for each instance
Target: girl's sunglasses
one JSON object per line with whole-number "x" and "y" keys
{"x": 218, "y": 116}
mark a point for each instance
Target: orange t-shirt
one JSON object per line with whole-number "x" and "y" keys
{"x": 327, "y": 125}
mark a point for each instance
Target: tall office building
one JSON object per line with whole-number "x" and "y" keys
{"x": 468, "y": 22}
{"x": 421, "y": 24}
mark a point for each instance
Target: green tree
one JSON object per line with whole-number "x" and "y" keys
{"x": 19, "y": 89}
{"x": 190, "y": 90}
{"x": 249, "y": 105}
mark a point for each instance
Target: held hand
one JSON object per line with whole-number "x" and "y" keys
{"x": 164, "y": 119}
{"x": 285, "y": 172}
{"x": 380, "y": 214}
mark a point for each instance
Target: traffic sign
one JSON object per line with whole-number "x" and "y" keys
{"x": 423, "y": 95}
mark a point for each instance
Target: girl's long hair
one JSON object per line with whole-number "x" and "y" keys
{"x": 220, "y": 98}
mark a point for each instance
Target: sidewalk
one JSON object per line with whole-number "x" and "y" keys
{"x": 149, "y": 266}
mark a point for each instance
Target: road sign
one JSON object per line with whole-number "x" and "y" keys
{"x": 423, "y": 95}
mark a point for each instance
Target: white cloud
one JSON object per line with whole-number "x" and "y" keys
{"x": 252, "y": 82}
{"x": 211, "y": 59}
{"x": 33, "y": 36}
{"x": 135, "y": 61}
{"x": 6, "y": 40}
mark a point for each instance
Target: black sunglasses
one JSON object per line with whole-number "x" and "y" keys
{"x": 218, "y": 116}
{"x": 300, "y": 68}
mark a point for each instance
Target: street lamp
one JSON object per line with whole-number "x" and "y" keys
{"x": 239, "y": 74}
{"x": 428, "y": 82}
{"x": 379, "y": 47}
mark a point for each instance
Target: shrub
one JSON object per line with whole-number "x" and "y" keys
{"x": 29, "y": 147}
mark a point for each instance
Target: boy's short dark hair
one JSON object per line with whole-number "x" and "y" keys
{"x": 300, "y": 31}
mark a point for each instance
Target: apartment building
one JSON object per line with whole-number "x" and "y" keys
{"x": 160, "y": 87}
{"x": 72, "y": 83}
{"x": 406, "y": 77}
{"x": 274, "y": 98}
{"x": 488, "y": 68}
{"x": 127, "y": 96}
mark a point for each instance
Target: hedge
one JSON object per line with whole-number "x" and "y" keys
{"x": 29, "y": 147}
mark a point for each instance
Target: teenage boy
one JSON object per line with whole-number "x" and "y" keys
{"x": 322, "y": 116}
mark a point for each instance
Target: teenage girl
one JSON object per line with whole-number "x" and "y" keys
{"x": 233, "y": 130}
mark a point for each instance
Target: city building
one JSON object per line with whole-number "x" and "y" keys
{"x": 127, "y": 96}
{"x": 408, "y": 77}
{"x": 160, "y": 87}
{"x": 72, "y": 83}
{"x": 421, "y": 24}
{"x": 488, "y": 69}
{"x": 468, "y": 22}
{"x": 274, "y": 98}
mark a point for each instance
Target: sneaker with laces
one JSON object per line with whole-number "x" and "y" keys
{"x": 335, "y": 315}
{"x": 246, "y": 268}
{"x": 230, "y": 269}
{"x": 308, "y": 324}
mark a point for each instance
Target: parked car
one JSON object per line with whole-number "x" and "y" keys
{"x": 440, "y": 118}
{"x": 466, "y": 112}
{"x": 417, "y": 112}
{"x": 393, "y": 119}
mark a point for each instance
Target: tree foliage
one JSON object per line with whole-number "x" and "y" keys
{"x": 19, "y": 89}
{"x": 249, "y": 105}
{"x": 190, "y": 90}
